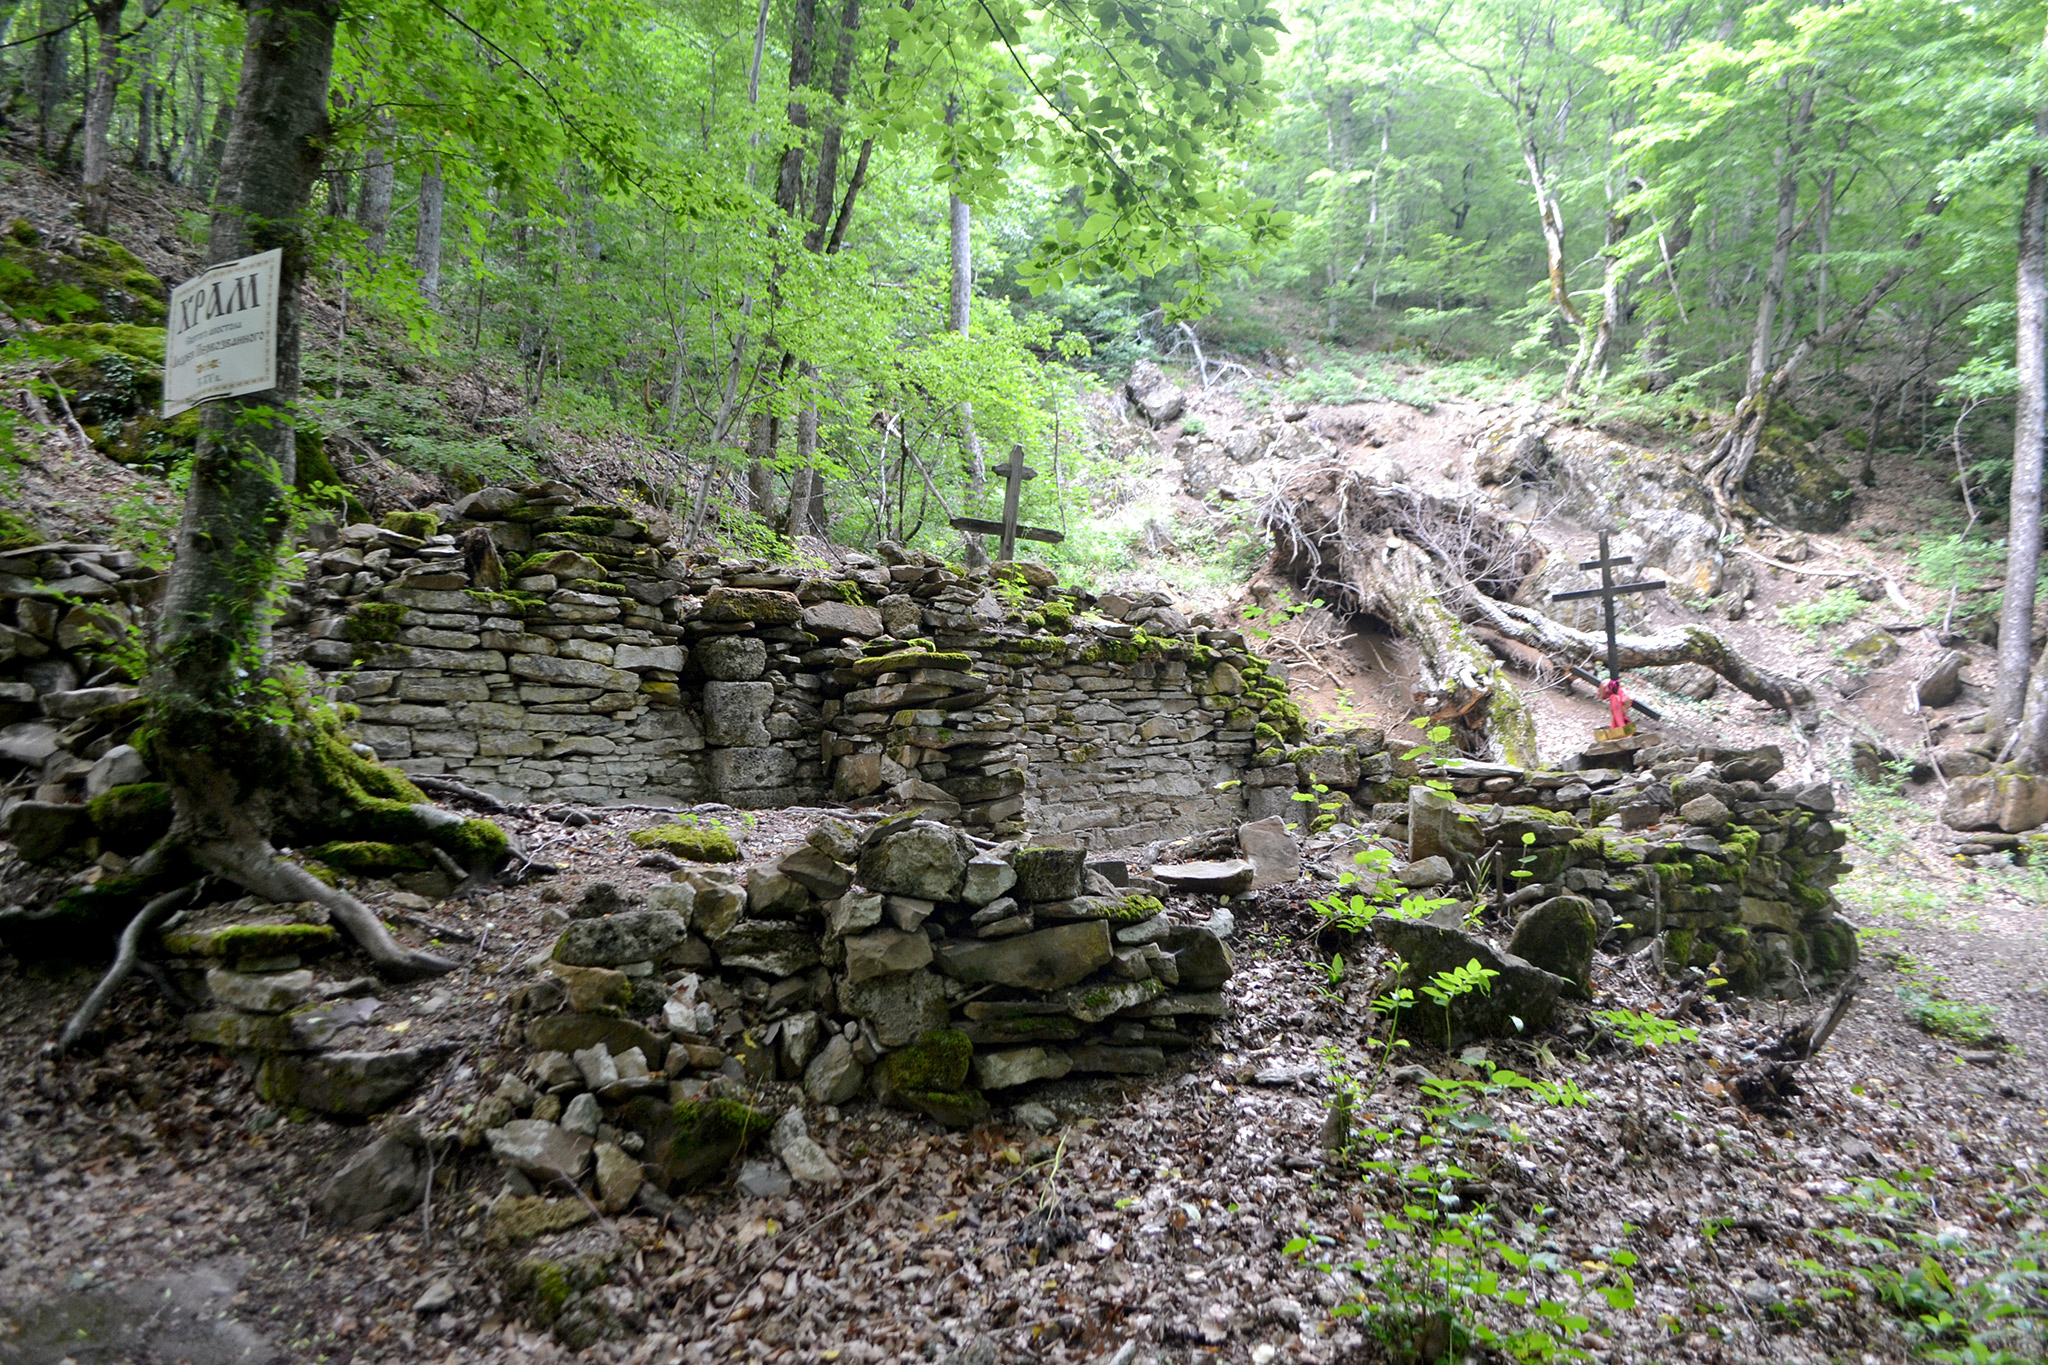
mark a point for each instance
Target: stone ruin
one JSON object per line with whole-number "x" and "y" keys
{"x": 548, "y": 651}
{"x": 541, "y": 649}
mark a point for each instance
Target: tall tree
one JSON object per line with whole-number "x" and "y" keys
{"x": 244, "y": 762}
{"x": 2029, "y": 443}
{"x": 99, "y": 111}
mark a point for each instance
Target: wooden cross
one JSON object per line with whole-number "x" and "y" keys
{"x": 1607, "y": 592}
{"x": 1014, "y": 473}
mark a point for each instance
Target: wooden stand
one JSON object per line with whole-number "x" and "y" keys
{"x": 1607, "y": 732}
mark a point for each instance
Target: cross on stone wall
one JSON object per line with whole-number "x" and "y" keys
{"x": 1014, "y": 474}
{"x": 1607, "y": 592}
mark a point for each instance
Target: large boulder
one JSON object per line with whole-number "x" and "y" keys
{"x": 1158, "y": 399}
{"x": 1794, "y": 484}
{"x": 1048, "y": 874}
{"x": 2002, "y": 799}
{"x": 1200, "y": 957}
{"x": 929, "y": 1077}
{"x": 1225, "y": 878}
{"x": 348, "y": 1085}
{"x": 1043, "y": 961}
{"x": 897, "y": 1007}
{"x": 691, "y": 1142}
{"x": 610, "y": 940}
{"x": 378, "y": 1183}
{"x": 1521, "y": 999}
{"x": 1274, "y": 852}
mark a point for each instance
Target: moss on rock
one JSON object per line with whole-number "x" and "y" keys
{"x": 418, "y": 525}
{"x": 695, "y": 843}
{"x": 938, "y": 1060}
{"x": 246, "y": 942}
{"x": 130, "y": 818}
{"x": 366, "y": 858}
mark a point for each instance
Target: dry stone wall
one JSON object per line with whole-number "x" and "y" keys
{"x": 550, "y": 651}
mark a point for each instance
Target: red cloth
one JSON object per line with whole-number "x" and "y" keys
{"x": 1617, "y": 701}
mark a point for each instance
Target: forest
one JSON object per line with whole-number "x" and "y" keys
{"x": 561, "y": 821}
{"x": 762, "y": 250}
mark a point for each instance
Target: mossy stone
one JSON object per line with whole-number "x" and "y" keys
{"x": 694, "y": 843}
{"x": 903, "y": 660}
{"x": 249, "y": 942}
{"x": 418, "y": 525}
{"x": 691, "y": 1142}
{"x": 130, "y": 818}
{"x": 938, "y": 1060}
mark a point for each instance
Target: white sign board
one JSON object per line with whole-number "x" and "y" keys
{"x": 221, "y": 336}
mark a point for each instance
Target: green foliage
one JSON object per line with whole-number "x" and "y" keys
{"x": 1834, "y": 607}
{"x": 1645, "y": 1030}
{"x": 1960, "y": 1300}
{"x": 1450, "y": 1272}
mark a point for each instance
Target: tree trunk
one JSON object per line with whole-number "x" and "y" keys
{"x": 1599, "y": 338}
{"x": 1738, "y": 444}
{"x": 99, "y": 113}
{"x": 49, "y": 69}
{"x": 766, "y": 435}
{"x": 959, "y": 316}
{"x": 242, "y": 761}
{"x": 426, "y": 241}
{"x": 216, "y": 146}
{"x": 2029, "y": 439}
{"x": 2030, "y": 753}
{"x": 1553, "y": 233}
{"x": 1789, "y": 232}
{"x": 807, "y": 487}
{"x": 148, "y": 99}
{"x": 373, "y": 204}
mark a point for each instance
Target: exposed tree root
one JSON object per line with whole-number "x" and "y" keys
{"x": 255, "y": 867}
{"x": 1438, "y": 572}
{"x": 126, "y": 953}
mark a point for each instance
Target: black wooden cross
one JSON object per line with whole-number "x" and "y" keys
{"x": 1014, "y": 473}
{"x": 1607, "y": 592}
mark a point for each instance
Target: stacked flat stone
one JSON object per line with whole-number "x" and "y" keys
{"x": 302, "y": 1038}
{"x": 843, "y": 967}
{"x": 1694, "y": 844}
{"x": 579, "y": 660}
{"x": 65, "y": 609}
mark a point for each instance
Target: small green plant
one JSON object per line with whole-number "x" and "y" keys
{"x": 1193, "y": 426}
{"x": 1963, "y": 1302}
{"x": 1259, "y": 622}
{"x": 1450, "y": 1273}
{"x": 1645, "y": 1030}
{"x": 1934, "y": 1013}
{"x": 1834, "y": 607}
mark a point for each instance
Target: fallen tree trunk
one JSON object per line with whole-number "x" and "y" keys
{"x": 1679, "y": 645}
{"x": 1439, "y": 572}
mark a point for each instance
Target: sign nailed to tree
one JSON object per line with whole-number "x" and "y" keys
{"x": 221, "y": 336}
